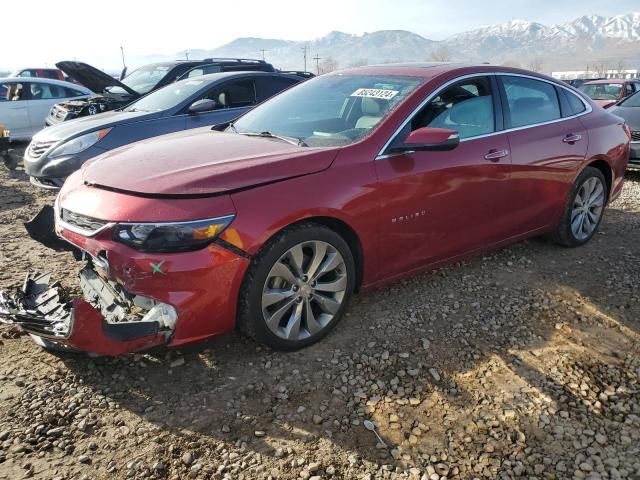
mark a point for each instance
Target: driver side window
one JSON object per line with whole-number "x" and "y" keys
{"x": 466, "y": 107}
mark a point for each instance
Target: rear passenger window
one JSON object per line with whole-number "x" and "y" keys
{"x": 269, "y": 86}
{"x": 576, "y": 105}
{"x": 530, "y": 101}
{"x": 466, "y": 107}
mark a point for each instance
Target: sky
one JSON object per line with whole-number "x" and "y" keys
{"x": 93, "y": 31}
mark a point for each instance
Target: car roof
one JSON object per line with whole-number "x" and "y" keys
{"x": 429, "y": 70}
{"x": 212, "y": 77}
{"x": 46, "y": 69}
{"x": 52, "y": 81}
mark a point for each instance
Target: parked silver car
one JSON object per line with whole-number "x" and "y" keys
{"x": 25, "y": 102}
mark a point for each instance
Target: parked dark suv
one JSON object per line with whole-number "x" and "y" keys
{"x": 112, "y": 93}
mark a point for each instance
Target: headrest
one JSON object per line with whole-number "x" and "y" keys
{"x": 370, "y": 106}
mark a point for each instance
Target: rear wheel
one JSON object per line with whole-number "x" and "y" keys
{"x": 584, "y": 210}
{"x": 297, "y": 288}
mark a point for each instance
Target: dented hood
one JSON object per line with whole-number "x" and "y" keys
{"x": 202, "y": 162}
{"x": 92, "y": 78}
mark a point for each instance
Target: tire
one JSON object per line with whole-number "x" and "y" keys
{"x": 565, "y": 234}
{"x": 273, "y": 284}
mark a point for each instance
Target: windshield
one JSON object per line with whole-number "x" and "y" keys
{"x": 166, "y": 97}
{"x": 329, "y": 111}
{"x": 143, "y": 79}
{"x": 632, "y": 101}
{"x": 602, "y": 91}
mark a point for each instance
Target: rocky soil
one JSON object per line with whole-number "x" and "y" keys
{"x": 521, "y": 364}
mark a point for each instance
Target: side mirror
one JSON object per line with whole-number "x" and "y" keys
{"x": 429, "y": 139}
{"x": 204, "y": 105}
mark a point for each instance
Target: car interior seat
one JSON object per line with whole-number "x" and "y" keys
{"x": 371, "y": 113}
{"x": 223, "y": 99}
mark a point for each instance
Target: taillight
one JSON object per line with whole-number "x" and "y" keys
{"x": 627, "y": 130}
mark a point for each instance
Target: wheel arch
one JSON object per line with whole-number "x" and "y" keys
{"x": 338, "y": 225}
{"x": 606, "y": 170}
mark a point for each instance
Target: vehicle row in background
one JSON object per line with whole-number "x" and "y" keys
{"x": 206, "y": 100}
{"x": 629, "y": 109}
{"x": 111, "y": 93}
{"x": 25, "y": 102}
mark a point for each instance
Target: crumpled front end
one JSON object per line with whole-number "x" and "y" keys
{"x": 107, "y": 321}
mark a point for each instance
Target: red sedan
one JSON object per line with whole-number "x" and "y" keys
{"x": 346, "y": 182}
{"x": 607, "y": 93}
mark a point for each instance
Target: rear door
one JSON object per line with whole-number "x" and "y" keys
{"x": 14, "y": 109}
{"x": 547, "y": 143}
{"x": 234, "y": 97}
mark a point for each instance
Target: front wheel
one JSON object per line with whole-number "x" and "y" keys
{"x": 297, "y": 288}
{"x": 584, "y": 210}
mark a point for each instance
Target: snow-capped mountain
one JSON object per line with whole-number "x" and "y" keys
{"x": 588, "y": 40}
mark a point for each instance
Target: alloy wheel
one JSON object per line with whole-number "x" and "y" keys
{"x": 304, "y": 290}
{"x": 587, "y": 209}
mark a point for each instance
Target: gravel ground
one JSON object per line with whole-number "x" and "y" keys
{"x": 521, "y": 364}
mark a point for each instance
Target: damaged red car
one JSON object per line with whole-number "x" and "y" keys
{"x": 346, "y": 182}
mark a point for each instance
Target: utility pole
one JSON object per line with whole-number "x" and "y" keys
{"x": 263, "y": 50}
{"x": 124, "y": 65}
{"x": 304, "y": 49}
{"x": 317, "y": 59}
{"x": 186, "y": 54}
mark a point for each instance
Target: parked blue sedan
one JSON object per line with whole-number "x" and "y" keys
{"x": 218, "y": 98}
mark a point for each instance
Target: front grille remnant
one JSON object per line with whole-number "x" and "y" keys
{"x": 81, "y": 222}
{"x": 635, "y": 136}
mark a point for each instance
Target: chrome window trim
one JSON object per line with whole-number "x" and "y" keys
{"x": 588, "y": 109}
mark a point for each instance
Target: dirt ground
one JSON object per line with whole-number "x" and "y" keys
{"x": 524, "y": 363}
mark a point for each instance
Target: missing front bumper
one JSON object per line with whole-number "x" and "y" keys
{"x": 108, "y": 321}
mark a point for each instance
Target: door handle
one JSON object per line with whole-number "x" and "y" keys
{"x": 572, "y": 138}
{"x": 495, "y": 155}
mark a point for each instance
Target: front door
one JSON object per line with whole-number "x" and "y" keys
{"x": 438, "y": 205}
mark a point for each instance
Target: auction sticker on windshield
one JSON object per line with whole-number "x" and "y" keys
{"x": 375, "y": 93}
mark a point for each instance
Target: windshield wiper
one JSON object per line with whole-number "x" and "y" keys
{"x": 292, "y": 140}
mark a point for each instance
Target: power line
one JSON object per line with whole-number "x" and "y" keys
{"x": 317, "y": 59}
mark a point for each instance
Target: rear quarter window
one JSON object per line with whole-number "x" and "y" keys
{"x": 571, "y": 103}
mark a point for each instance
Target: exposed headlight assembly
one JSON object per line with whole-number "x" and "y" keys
{"x": 79, "y": 144}
{"x": 171, "y": 237}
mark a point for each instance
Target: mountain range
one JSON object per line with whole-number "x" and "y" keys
{"x": 590, "y": 41}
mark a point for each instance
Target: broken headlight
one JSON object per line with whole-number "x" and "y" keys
{"x": 171, "y": 237}
{"x": 79, "y": 144}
